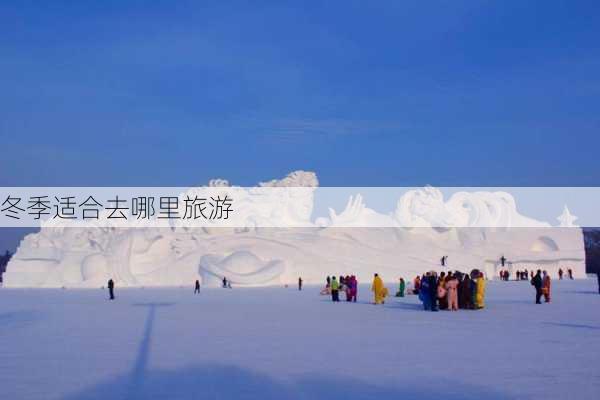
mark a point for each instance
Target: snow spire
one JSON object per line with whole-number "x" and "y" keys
{"x": 566, "y": 219}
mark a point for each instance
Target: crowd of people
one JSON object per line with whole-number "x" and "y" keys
{"x": 347, "y": 284}
{"x": 525, "y": 274}
{"x": 448, "y": 291}
{"x": 451, "y": 291}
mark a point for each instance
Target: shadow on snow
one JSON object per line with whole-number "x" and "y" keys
{"x": 216, "y": 381}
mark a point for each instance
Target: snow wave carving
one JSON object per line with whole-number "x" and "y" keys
{"x": 241, "y": 267}
{"x": 427, "y": 208}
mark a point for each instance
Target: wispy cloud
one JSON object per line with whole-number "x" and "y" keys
{"x": 310, "y": 129}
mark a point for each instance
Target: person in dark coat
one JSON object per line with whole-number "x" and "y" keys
{"x": 560, "y": 273}
{"x": 433, "y": 286}
{"x": 299, "y": 283}
{"x": 570, "y": 271}
{"x": 328, "y": 282}
{"x": 473, "y": 286}
{"x": 224, "y": 282}
{"x": 111, "y": 289}
{"x": 537, "y": 282}
{"x": 460, "y": 277}
{"x": 464, "y": 290}
{"x": 197, "y": 289}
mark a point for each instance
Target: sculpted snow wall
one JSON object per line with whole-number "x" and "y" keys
{"x": 356, "y": 241}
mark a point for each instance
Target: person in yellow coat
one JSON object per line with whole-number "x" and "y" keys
{"x": 379, "y": 291}
{"x": 480, "y": 294}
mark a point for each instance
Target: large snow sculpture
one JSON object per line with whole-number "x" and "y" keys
{"x": 474, "y": 229}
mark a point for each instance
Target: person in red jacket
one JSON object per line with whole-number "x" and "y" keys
{"x": 546, "y": 286}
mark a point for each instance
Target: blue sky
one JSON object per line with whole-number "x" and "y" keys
{"x": 396, "y": 93}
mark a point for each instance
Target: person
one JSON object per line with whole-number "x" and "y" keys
{"x": 401, "y": 287}
{"x": 353, "y": 288}
{"x": 464, "y": 300}
{"x": 480, "y": 296}
{"x": 429, "y": 288}
{"x": 570, "y": 271}
{"x": 416, "y": 285}
{"x": 560, "y": 273}
{"x": 537, "y": 283}
{"x": 111, "y": 289}
{"x": 197, "y": 289}
{"x": 518, "y": 275}
{"x": 326, "y": 290}
{"x": 347, "y": 287}
{"x": 546, "y": 286}
{"x": 328, "y": 282}
{"x": 334, "y": 289}
{"x": 451, "y": 287}
{"x": 503, "y": 260}
{"x": 424, "y": 292}
{"x": 299, "y": 283}
{"x": 433, "y": 291}
{"x": 441, "y": 291}
{"x": 379, "y": 290}
{"x": 598, "y": 276}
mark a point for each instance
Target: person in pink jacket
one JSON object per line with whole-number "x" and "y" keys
{"x": 451, "y": 292}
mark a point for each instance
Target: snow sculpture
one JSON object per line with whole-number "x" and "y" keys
{"x": 240, "y": 268}
{"x": 474, "y": 229}
{"x": 566, "y": 219}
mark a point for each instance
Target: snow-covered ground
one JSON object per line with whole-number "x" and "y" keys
{"x": 264, "y": 343}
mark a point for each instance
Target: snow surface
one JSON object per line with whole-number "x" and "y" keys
{"x": 275, "y": 342}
